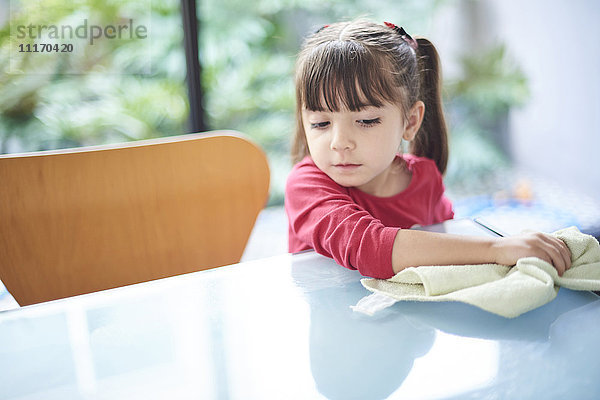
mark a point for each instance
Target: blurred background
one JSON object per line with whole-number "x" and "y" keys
{"x": 522, "y": 92}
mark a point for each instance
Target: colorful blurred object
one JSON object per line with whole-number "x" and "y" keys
{"x": 531, "y": 203}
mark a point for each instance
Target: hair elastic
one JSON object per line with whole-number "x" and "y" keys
{"x": 405, "y": 36}
{"x": 321, "y": 28}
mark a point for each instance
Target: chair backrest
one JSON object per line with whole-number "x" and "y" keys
{"x": 81, "y": 220}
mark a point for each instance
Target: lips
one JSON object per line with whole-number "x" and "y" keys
{"x": 346, "y": 167}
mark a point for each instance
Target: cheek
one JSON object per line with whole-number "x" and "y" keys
{"x": 314, "y": 149}
{"x": 395, "y": 138}
{"x": 315, "y": 141}
{"x": 389, "y": 140}
{"x": 309, "y": 140}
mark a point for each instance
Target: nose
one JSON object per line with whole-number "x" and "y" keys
{"x": 341, "y": 138}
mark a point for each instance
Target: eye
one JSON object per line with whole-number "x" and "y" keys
{"x": 369, "y": 122}
{"x": 319, "y": 125}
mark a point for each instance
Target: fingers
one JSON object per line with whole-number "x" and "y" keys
{"x": 565, "y": 253}
{"x": 557, "y": 253}
{"x": 541, "y": 245}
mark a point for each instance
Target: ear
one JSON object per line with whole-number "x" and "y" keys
{"x": 413, "y": 120}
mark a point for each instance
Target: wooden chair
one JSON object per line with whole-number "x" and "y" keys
{"x": 81, "y": 220}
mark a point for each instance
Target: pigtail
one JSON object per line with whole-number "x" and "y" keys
{"x": 432, "y": 139}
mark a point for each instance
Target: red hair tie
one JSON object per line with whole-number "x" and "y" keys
{"x": 321, "y": 28}
{"x": 405, "y": 36}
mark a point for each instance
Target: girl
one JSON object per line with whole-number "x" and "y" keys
{"x": 362, "y": 88}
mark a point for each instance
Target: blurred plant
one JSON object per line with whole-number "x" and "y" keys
{"x": 115, "y": 90}
{"x": 478, "y": 107}
{"x": 492, "y": 83}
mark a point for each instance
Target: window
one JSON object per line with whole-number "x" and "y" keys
{"x": 90, "y": 72}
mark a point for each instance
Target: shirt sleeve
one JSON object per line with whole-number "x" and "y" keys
{"x": 323, "y": 215}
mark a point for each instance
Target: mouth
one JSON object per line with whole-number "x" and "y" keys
{"x": 346, "y": 167}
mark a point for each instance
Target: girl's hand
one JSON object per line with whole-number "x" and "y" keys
{"x": 546, "y": 247}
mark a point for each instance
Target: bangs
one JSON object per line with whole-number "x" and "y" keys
{"x": 345, "y": 75}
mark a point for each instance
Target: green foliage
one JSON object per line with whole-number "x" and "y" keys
{"x": 111, "y": 91}
{"x": 473, "y": 158}
{"x": 478, "y": 105}
{"x": 492, "y": 83}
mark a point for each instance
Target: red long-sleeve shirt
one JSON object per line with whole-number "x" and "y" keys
{"x": 354, "y": 228}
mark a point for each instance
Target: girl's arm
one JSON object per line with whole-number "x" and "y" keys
{"x": 413, "y": 248}
{"x": 323, "y": 216}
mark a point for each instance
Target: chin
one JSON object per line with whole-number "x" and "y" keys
{"x": 347, "y": 182}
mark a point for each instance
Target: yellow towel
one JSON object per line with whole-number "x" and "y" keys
{"x": 506, "y": 291}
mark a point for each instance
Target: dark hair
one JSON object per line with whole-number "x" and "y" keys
{"x": 356, "y": 64}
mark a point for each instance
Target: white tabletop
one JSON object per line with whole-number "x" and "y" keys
{"x": 282, "y": 328}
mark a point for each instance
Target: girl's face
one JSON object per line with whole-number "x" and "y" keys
{"x": 357, "y": 148}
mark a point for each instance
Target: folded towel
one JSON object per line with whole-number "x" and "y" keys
{"x": 506, "y": 291}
